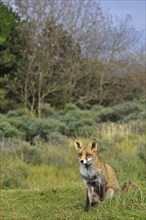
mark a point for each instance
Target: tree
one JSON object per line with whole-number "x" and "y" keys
{"x": 47, "y": 56}
{"x": 72, "y": 48}
{"x": 8, "y": 56}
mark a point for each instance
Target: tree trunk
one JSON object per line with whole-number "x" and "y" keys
{"x": 39, "y": 94}
{"x": 101, "y": 92}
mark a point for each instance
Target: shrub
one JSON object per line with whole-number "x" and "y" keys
{"x": 122, "y": 113}
{"x": 76, "y": 120}
{"x": 46, "y": 110}
{"x": 14, "y": 174}
{"x": 19, "y": 112}
{"x": 30, "y": 154}
{"x": 9, "y": 131}
{"x": 87, "y": 131}
{"x": 59, "y": 155}
{"x": 56, "y": 152}
{"x": 77, "y": 126}
{"x": 22, "y": 150}
{"x": 57, "y": 139}
{"x": 142, "y": 115}
{"x": 70, "y": 107}
{"x": 70, "y": 121}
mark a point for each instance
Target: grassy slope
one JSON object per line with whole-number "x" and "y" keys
{"x": 68, "y": 203}
{"x": 59, "y": 193}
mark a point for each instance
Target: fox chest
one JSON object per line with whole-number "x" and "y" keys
{"x": 90, "y": 175}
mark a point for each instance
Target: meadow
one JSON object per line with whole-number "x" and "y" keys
{"x": 40, "y": 178}
{"x": 69, "y": 69}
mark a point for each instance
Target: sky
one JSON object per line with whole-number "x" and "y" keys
{"x": 136, "y": 8}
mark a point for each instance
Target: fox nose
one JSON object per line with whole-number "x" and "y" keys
{"x": 82, "y": 161}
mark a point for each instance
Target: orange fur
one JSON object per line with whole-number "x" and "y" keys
{"x": 96, "y": 173}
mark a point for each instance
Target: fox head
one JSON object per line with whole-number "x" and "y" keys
{"x": 86, "y": 153}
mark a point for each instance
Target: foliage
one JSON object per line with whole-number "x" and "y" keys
{"x": 7, "y": 129}
{"x": 49, "y": 62}
{"x": 71, "y": 122}
{"x": 122, "y": 113}
{"x": 57, "y": 139}
{"x": 9, "y": 57}
{"x": 78, "y": 121}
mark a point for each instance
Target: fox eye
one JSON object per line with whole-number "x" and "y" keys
{"x": 79, "y": 155}
{"x": 88, "y": 155}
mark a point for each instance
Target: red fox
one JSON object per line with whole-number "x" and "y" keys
{"x": 99, "y": 178}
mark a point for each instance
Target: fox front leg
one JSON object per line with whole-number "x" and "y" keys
{"x": 102, "y": 192}
{"x": 89, "y": 195}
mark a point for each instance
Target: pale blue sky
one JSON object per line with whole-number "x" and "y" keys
{"x": 136, "y": 8}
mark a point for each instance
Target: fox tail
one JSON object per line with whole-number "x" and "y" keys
{"x": 127, "y": 186}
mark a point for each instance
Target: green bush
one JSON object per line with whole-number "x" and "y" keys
{"x": 121, "y": 113}
{"x": 9, "y": 131}
{"x": 76, "y": 119}
{"x": 43, "y": 127}
{"x": 46, "y": 110}
{"x": 55, "y": 152}
{"x": 17, "y": 113}
{"x": 14, "y": 126}
{"x": 30, "y": 154}
{"x": 70, "y": 107}
{"x": 57, "y": 139}
{"x": 23, "y": 150}
{"x": 14, "y": 174}
{"x": 78, "y": 123}
{"x": 70, "y": 121}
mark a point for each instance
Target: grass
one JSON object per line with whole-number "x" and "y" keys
{"x": 55, "y": 190}
{"x": 59, "y": 193}
{"x": 68, "y": 203}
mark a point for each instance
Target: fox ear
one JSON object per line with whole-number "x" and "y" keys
{"x": 78, "y": 144}
{"x": 93, "y": 145}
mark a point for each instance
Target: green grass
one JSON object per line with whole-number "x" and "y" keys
{"x": 49, "y": 187}
{"x": 68, "y": 203}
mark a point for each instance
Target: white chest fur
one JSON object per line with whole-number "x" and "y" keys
{"x": 90, "y": 174}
